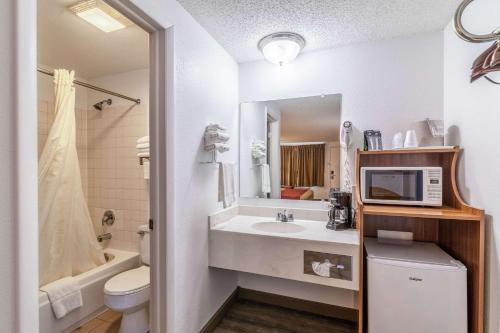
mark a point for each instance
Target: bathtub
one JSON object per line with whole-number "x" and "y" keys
{"x": 92, "y": 283}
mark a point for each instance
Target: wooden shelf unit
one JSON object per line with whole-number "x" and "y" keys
{"x": 443, "y": 213}
{"x": 456, "y": 227}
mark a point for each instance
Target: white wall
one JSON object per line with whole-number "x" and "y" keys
{"x": 472, "y": 119}
{"x": 391, "y": 85}
{"x": 205, "y": 90}
{"x": 18, "y": 171}
{"x": 195, "y": 292}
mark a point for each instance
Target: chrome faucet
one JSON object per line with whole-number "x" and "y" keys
{"x": 284, "y": 217}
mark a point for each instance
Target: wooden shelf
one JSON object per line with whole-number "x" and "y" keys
{"x": 457, "y": 227}
{"x": 443, "y": 213}
{"x": 423, "y": 150}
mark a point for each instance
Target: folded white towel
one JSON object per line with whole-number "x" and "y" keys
{"x": 259, "y": 146}
{"x": 215, "y": 137}
{"x": 144, "y": 139}
{"x": 215, "y": 127}
{"x": 226, "y": 184}
{"x": 142, "y": 145}
{"x": 64, "y": 295}
{"x": 265, "y": 178}
{"x": 145, "y": 168}
{"x": 258, "y": 149}
{"x": 258, "y": 154}
{"x": 220, "y": 147}
{"x": 143, "y": 154}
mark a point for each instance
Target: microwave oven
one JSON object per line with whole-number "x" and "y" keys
{"x": 419, "y": 186}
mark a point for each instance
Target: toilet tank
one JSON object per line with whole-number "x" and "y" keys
{"x": 144, "y": 234}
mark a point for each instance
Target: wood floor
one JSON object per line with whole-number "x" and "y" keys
{"x": 252, "y": 317}
{"x": 108, "y": 322}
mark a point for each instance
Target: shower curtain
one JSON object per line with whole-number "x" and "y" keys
{"x": 67, "y": 240}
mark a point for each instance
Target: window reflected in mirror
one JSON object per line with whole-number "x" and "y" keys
{"x": 289, "y": 149}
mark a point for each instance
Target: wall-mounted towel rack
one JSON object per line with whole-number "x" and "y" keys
{"x": 142, "y": 158}
{"x": 213, "y": 160}
{"x": 477, "y": 71}
{"x": 215, "y": 140}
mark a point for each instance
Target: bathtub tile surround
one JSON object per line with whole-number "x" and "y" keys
{"x": 116, "y": 178}
{"x": 247, "y": 239}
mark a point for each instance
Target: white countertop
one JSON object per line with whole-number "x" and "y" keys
{"x": 314, "y": 230}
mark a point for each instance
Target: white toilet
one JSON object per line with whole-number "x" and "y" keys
{"x": 128, "y": 292}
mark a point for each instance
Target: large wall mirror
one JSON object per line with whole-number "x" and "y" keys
{"x": 289, "y": 148}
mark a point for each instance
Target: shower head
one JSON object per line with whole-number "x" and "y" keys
{"x": 100, "y": 105}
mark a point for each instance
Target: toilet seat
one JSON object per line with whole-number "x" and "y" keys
{"x": 129, "y": 282}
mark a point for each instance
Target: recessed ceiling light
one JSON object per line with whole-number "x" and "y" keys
{"x": 100, "y": 14}
{"x": 281, "y": 47}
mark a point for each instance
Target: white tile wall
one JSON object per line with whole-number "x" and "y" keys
{"x": 116, "y": 179}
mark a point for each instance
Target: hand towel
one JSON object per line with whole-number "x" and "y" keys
{"x": 226, "y": 184}
{"x": 64, "y": 295}
{"x": 145, "y": 168}
{"x": 265, "y": 178}
{"x": 144, "y": 139}
{"x": 142, "y": 145}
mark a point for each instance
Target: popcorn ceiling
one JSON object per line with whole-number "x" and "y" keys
{"x": 238, "y": 25}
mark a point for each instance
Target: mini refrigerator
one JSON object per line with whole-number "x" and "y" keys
{"x": 414, "y": 287}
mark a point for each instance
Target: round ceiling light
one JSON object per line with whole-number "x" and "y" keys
{"x": 281, "y": 47}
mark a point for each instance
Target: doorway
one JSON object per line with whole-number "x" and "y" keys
{"x": 113, "y": 166}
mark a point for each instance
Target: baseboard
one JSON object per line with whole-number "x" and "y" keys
{"x": 318, "y": 308}
{"x": 212, "y": 324}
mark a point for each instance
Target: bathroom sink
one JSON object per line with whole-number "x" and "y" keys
{"x": 278, "y": 227}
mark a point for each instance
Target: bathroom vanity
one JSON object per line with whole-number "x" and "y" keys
{"x": 249, "y": 239}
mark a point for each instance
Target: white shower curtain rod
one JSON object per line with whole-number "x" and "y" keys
{"x": 86, "y": 85}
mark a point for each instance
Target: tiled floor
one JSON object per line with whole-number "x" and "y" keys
{"x": 108, "y": 322}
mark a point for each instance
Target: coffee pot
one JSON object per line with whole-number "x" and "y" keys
{"x": 339, "y": 216}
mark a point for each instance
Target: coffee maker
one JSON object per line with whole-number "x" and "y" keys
{"x": 340, "y": 214}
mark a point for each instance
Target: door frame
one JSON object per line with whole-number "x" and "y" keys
{"x": 25, "y": 296}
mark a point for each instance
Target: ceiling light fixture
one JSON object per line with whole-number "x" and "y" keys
{"x": 100, "y": 14}
{"x": 281, "y": 47}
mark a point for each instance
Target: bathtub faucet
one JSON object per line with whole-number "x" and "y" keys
{"x": 106, "y": 236}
